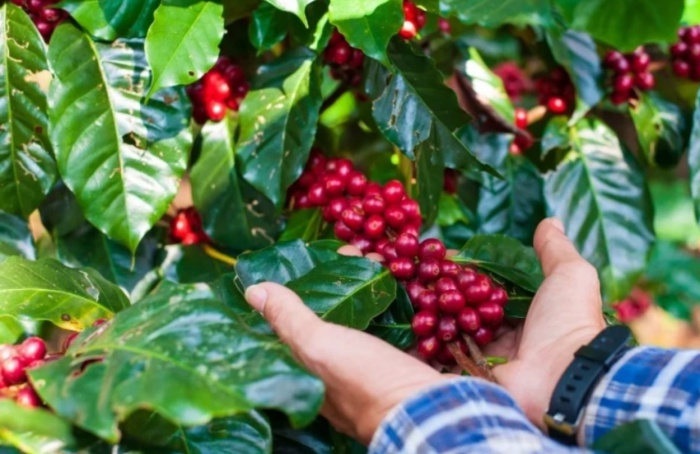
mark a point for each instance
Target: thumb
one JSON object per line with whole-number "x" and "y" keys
{"x": 288, "y": 316}
{"x": 554, "y": 249}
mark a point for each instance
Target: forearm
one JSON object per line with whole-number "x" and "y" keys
{"x": 461, "y": 416}
{"x": 649, "y": 383}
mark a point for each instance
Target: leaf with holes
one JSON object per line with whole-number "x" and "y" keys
{"x": 368, "y": 25}
{"x": 349, "y": 291}
{"x": 183, "y": 42}
{"x": 126, "y": 167}
{"x": 182, "y": 354}
{"x": 27, "y": 169}
{"x": 47, "y": 290}
{"x": 278, "y": 124}
{"x": 234, "y": 214}
{"x": 108, "y": 20}
{"x": 599, "y": 193}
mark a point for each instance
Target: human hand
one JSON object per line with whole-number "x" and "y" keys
{"x": 565, "y": 314}
{"x": 364, "y": 376}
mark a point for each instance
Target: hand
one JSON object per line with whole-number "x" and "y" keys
{"x": 364, "y": 376}
{"x": 565, "y": 314}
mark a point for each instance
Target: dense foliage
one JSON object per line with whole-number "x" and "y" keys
{"x": 158, "y": 156}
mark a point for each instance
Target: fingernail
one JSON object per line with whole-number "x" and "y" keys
{"x": 256, "y": 296}
{"x": 557, "y": 224}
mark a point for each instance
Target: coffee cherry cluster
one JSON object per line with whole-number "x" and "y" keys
{"x": 15, "y": 360}
{"x": 345, "y": 61}
{"x": 514, "y": 79}
{"x": 223, "y": 87}
{"x": 627, "y": 72}
{"x": 186, "y": 228}
{"x": 45, "y": 17}
{"x": 686, "y": 53}
{"x": 451, "y": 300}
{"x": 413, "y": 20}
{"x": 556, "y": 91}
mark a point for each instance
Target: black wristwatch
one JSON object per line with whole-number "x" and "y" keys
{"x": 572, "y": 392}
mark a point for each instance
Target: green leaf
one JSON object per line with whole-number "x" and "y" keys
{"x": 394, "y": 325}
{"x": 674, "y": 213}
{"x": 430, "y": 176}
{"x": 278, "y": 124}
{"x": 348, "y": 291}
{"x": 280, "y": 263}
{"x": 694, "y": 158}
{"x": 672, "y": 275}
{"x": 296, "y": 7}
{"x": 600, "y": 196}
{"x": 691, "y": 14}
{"x": 520, "y": 12}
{"x": 183, "y": 42}
{"x": 88, "y": 247}
{"x": 182, "y": 354}
{"x": 33, "y": 430}
{"x": 661, "y": 130}
{"x": 505, "y": 257}
{"x": 60, "y": 212}
{"x": 107, "y": 20}
{"x": 234, "y": 214}
{"x": 489, "y": 86}
{"x": 577, "y": 52}
{"x": 228, "y": 290}
{"x": 236, "y": 9}
{"x": 514, "y": 205}
{"x": 416, "y": 110}
{"x": 27, "y": 169}
{"x": 47, "y": 290}
{"x": 641, "y": 436}
{"x": 303, "y": 225}
{"x": 190, "y": 264}
{"x": 626, "y": 24}
{"x": 556, "y": 135}
{"x": 268, "y": 26}
{"x": 124, "y": 169}
{"x": 368, "y": 25}
{"x": 15, "y": 238}
{"x": 247, "y": 433}
{"x": 11, "y": 330}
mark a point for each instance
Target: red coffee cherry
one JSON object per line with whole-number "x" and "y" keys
{"x": 447, "y": 329}
{"x": 432, "y": 249}
{"x": 407, "y": 245}
{"x": 469, "y": 320}
{"x": 428, "y": 270}
{"x": 402, "y": 268}
{"x": 428, "y": 301}
{"x": 32, "y": 349}
{"x": 428, "y": 347}
{"x": 424, "y": 323}
{"x": 451, "y": 302}
{"x": 491, "y": 313}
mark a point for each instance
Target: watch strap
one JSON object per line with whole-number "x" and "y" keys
{"x": 574, "y": 388}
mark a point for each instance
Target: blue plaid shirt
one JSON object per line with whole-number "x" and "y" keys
{"x": 470, "y": 415}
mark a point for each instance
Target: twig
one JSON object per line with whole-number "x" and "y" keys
{"x": 481, "y": 362}
{"x": 218, "y": 255}
{"x": 466, "y": 363}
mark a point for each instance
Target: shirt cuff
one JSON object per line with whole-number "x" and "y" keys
{"x": 649, "y": 383}
{"x": 460, "y": 416}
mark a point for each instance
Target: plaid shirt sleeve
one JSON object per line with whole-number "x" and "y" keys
{"x": 473, "y": 416}
{"x": 462, "y": 416}
{"x": 650, "y": 383}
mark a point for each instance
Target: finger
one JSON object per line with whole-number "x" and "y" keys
{"x": 288, "y": 316}
{"x": 553, "y": 248}
{"x": 350, "y": 251}
{"x": 375, "y": 257}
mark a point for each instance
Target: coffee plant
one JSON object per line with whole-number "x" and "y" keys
{"x": 159, "y": 156}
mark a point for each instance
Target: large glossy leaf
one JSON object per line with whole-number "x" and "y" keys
{"x": 280, "y": 263}
{"x": 691, "y": 14}
{"x": 248, "y": 433}
{"x": 626, "y": 24}
{"x": 182, "y": 354}
{"x": 125, "y": 167}
{"x": 430, "y": 176}
{"x": 694, "y": 158}
{"x": 600, "y": 196}
{"x": 33, "y": 431}
{"x": 485, "y": 12}
{"x": 577, "y": 52}
{"x": 296, "y": 7}
{"x": 228, "y": 289}
{"x": 88, "y": 247}
{"x": 183, "y": 42}
{"x": 11, "y": 330}
{"x": 15, "y": 238}
{"x": 488, "y": 86}
{"x": 278, "y": 124}
{"x": 514, "y": 205}
{"x": 369, "y": 24}
{"x": 303, "y": 225}
{"x": 416, "y": 111}
{"x": 48, "y": 290}
{"x": 268, "y": 26}
{"x": 27, "y": 169}
{"x": 394, "y": 325}
{"x": 661, "y": 129}
{"x": 109, "y": 19}
{"x": 505, "y": 257}
{"x": 349, "y": 291}
{"x": 234, "y": 213}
